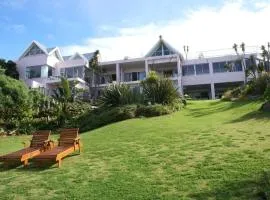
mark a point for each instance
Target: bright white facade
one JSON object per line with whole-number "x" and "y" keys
{"x": 41, "y": 67}
{"x": 201, "y": 78}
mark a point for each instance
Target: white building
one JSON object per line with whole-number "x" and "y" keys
{"x": 201, "y": 78}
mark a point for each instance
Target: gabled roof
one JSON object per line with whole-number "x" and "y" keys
{"x": 89, "y": 56}
{"x": 50, "y": 49}
{"x": 76, "y": 55}
{"x": 164, "y": 47}
{"x": 85, "y": 56}
{"x": 47, "y": 51}
{"x": 57, "y": 51}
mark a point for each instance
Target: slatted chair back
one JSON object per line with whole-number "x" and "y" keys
{"x": 39, "y": 137}
{"x": 67, "y": 136}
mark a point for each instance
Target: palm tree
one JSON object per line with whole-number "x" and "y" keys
{"x": 241, "y": 57}
{"x": 235, "y": 47}
{"x": 93, "y": 75}
{"x": 62, "y": 95}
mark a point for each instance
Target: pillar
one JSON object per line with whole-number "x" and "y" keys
{"x": 179, "y": 76}
{"x": 211, "y": 70}
{"x": 213, "y": 94}
{"x": 146, "y": 68}
{"x": 118, "y": 76}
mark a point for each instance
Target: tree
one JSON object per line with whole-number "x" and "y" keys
{"x": 93, "y": 75}
{"x": 62, "y": 95}
{"x": 9, "y": 68}
{"x": 15, "y": 102}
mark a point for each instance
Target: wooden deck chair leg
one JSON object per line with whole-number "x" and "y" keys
{"x": 59, "y": 163}
{"x": 25, "y": 163}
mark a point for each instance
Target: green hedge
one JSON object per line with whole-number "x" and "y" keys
{"x": 99, "y": 117}
{"x": 153, "y": 110}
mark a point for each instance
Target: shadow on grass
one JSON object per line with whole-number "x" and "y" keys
{"x": 34, "y": 166}
{"x": 255, "y": 115}
{"x": 259, "y": 188}
{"x": 217, "y": 107}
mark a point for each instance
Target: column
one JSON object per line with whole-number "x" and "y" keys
{"x": 146, "y": 68}
{"x": 118, "y": 77}
{"x": 179, "y": 76}
{"x": 211, "y": 71}
{"x": 213, "y": 94}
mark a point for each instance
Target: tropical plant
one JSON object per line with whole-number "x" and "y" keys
{"x": 241, "y": 56}
{"x": 62, "y": 95}
{"x": 93, "y": 75}
{"x": 119, "y": 94}
{"x": 159, "y": 90}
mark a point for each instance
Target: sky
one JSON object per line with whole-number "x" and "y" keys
{"x": 123, "y": 28}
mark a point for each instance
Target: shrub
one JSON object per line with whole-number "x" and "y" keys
{"x": 153, "y": 110}
{"x": 158, "y": 90}
{"x": 117, "y": 95}
{"x": 101, "y": 117}
{"x": 15, "y": 102}
{"x": 232, "y": 93}
{"x": 257, "y": 86}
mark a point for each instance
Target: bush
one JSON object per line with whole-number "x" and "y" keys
{"x": 158, "y": 90}
{"x": 232, "y": 93}
{"x": 267, "y": 94}
{"x": 153, "y": 110}
{"x": 257, "y": 86}
{"x": 101, "y": 117}
{"x": 117, "y": 95}
{"x": 15, "y": 102}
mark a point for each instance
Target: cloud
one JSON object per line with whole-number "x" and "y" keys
{"x": 17, "y": 28}
{"x": 203, "y": 29}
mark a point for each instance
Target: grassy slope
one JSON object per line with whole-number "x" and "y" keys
{"x": 210, "y": 150}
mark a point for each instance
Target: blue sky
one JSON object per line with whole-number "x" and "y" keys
{"x": 119, "y": 26}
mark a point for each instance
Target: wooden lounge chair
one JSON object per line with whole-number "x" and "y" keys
{"x": 40, "y": 142}
{"x": 68, "y": 142}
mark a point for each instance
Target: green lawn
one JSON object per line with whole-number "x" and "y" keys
{"x": 210, "y": 150}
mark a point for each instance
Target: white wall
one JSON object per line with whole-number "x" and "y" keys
{"x": 228, "y": 77}
{"x": 196, "y": 80}
{"x": 52, "y": 60}
{"x": 30, "y": 61}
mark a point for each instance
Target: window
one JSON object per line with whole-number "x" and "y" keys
{"x": 202, "y": 68}
{"x": 158, "y": 52}
{"x": 167, "y": 51}
{"x": 72, "y": 72}
{"x": 134, "y": 76}
{"x": 33, "y": 72}
{"x": 113, "y": 77}
{"x": 34, "y": 50}
{"x": 50, "y": 71}
{"x": 237, "y": 66}
{"x": 219, "y": 67}
{"x": 188, "y": 70}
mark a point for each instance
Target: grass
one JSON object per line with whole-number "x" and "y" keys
{"x": 211, "y": 150}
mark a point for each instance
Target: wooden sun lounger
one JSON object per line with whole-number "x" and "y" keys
{"x": 40, "y": 142}
{"x": 68, "y": 142}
